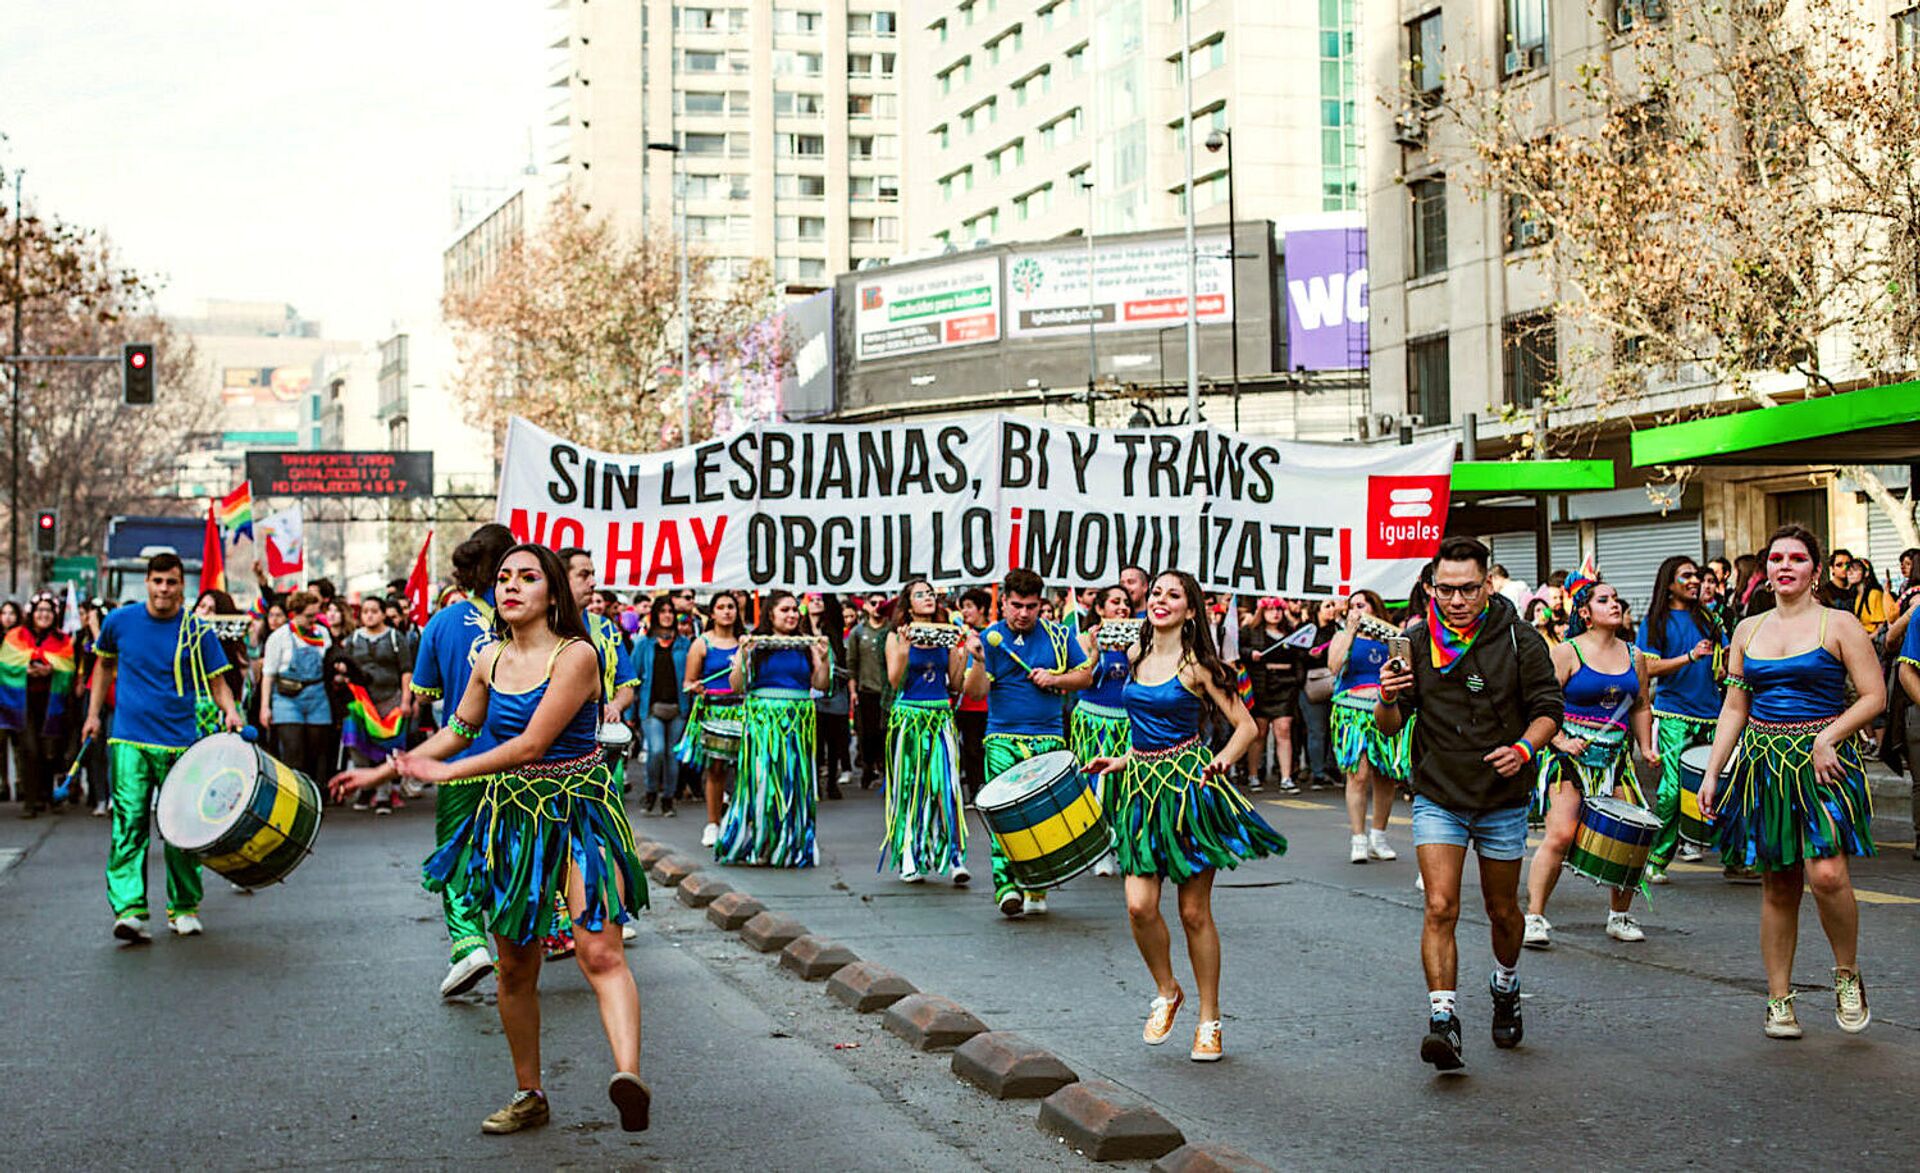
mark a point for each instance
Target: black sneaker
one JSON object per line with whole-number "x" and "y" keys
{"x": 1507, "y": 1027}
{"x": 646, "y": 803}
{"x": 1441, "y": 1047}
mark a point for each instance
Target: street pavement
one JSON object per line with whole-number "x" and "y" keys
{"x": 303, "y": 1030}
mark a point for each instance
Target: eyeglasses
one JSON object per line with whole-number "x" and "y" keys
{"x": 1443, "y": 590}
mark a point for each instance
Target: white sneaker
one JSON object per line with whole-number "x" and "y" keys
{"x": 466, "y": 973}
{"x": 1379, "y": 848}
{"x": 1689, "y": 853}
{"x": 1107, "y": 866}
{"x": 961, "y": 876}
{"x": 186, "y": 925}
{"x": 1622, "y": 927}
{"x": 132, "y": 928}
{"x": 1357, "y": 849}
{"x": 1034, "y": 904}
{"x": 1538, "y": 932}
{"x": 100, "y": 810}
{"x": 709, "y": 834}
{"x": 1657, "y": 876}
{"x": 628, "y": 932}
{"x": 910, "y": 876}
{"x": 1256, "y": 784}
{"x": 1419, "y": 881}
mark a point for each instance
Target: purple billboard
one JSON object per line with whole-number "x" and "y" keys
{"x": 1326, "y": 279}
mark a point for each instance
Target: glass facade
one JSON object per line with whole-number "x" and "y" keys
{"x": 1339, "y": 113}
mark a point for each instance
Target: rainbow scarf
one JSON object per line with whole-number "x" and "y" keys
{"x": 379, "y": 729}
{"x": 17, "y": 651}
{"x": 312, "y": 640}
{"x": 1449, "y": 642}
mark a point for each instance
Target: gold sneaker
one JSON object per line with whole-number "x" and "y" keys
{"x": 1850, "y": 1001}
{"x": 1160, "y": 1019}
{"x": 525, "y": 1110}
{"x": 1782, "y": 1022}
{"x": 1206, "y": 1043}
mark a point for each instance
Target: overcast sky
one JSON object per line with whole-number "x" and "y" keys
{"x": 293, "y": 150}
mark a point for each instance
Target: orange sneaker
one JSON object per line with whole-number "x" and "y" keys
{"x": 1160, "y": 1019}
{"x": 1206, "y": 1043}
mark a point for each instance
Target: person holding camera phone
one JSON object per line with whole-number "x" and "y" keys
{"x": 1490, "y": 701}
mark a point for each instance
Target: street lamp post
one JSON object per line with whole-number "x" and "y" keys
{"x": 1093, "y": 345}
{"x": 1193, "y": 319}
{"x": 686, "y": 316}
{"x": 1215, "y": 141}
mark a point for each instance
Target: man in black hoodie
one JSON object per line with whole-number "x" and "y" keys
{"x": 1484, "y": 686}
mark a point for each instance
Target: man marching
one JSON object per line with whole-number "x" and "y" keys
{"x": 1019, "y": 666}
{"x": 1489, "y": 701}
{"x": 161, "y": 662}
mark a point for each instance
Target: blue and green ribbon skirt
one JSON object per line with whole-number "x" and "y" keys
{"x": 689, "y": 749}
{"x": 1596, "y": 772}
{"x": 1774, "y": 813}
{"x": 1356, "y": 737}
{"x": 926, "y": 821}
{"x": 512, "y": 854}
{"x": 770, "y": 820}
{"x": 1172, "y": 821}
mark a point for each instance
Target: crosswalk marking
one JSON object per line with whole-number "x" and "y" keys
{"x": 1866, "y": 896}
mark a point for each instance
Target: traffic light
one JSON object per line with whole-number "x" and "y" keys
{"x": 136, "y": 374}
{"x": 46, "y": 532}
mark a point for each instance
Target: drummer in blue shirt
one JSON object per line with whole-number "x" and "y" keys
{"x": 1021, "y": 666}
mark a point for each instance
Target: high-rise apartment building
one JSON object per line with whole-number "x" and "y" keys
{"x": 1016, "y": 105}
{"x": 786, "y": 113}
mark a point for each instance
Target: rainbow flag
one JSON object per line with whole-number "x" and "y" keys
{"x": 379, "y": 729}
{"x": 235, "y": 512}
{"x": 1243, "y": 688}
{"x": 19, "y": 650}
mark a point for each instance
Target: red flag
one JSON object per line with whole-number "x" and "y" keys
{"x": 417, "y": 585}
{"x": 213, "y": 560}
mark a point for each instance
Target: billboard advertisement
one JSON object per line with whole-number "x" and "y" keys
{"x": 1137, "y": 285}
{"x": 1326, "y": 273}
{"x": 930, "y": 308}
{"x": 263, "y": 386}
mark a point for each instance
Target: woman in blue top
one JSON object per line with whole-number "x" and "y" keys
{"x": 1098, "y": 726}
{"x": 1603, "y": 679}
{"x": 1177, "y": 818}
{"x": 1795, "y": 804}
{"x": 1680, "y": 638}
{"x": 926, "y": 815}
{"x": 548, "y": 822}
{"x": 1370, "y": 760}
{"x": 709, "y": 671}
{"x": 770, "y": 820}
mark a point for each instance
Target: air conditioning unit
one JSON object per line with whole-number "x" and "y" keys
{"x": 1623, "y": 13}
{"x": 1515, "y": 61}
{"x": 1410, "y": 128}
{"x": 1528, "y": 231}
{"x": 1537, "y": 57}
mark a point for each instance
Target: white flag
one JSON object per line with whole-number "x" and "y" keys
{"x": 283, "y": 535}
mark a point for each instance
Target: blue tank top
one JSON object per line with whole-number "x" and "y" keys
{"x": 714, "y": 669}
{"x": 1110, "y": 680}
{"x": 1362, "y": 669}
{"x": 926, "y": 675}
{"x": 1163, "y": 715}
{"x": 1806, "y": 686}
{"x": 509, "y": 712}
{"x": 1601, "y": 699}
{"x": 788, "y": 668}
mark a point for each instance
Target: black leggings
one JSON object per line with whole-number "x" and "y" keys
{"x": 304, "y": 747}
{"x": 835, "y": 737}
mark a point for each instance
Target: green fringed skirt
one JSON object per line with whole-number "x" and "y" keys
{"x": 1774, "y": 813}
{"x": 1096, "y": 731}
{"x": 926, "y": 819}
{"x": 512, "y": 854}
{"x": 1597, "y": 772}
{"x": 770, "y": 820}
{"x": 1170, "y": 820}
{"x": 1357, "y": 738}
{"x": 691, "y": 748}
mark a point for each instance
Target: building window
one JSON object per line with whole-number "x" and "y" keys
{"x": 711, "y": 102}
{"x": 879, "y": 24}
{"x": 704, "y": 144}
{"x": 1061, "y": 130}
{"x": 881, "y": 188}
{"x": 865, "y": 230}
{"x": 1040, "y": 81}
{"x": 785, "y": 20}
{"x": 1529, "y": 358}
{"x": 700, "y": 61}
{"x": 1077, "y": 60}
{"x": 1207, "y": 57}
{"x": 799, "y": 187}
{"x": 945, "y": 134}
{"x": 1525, "y": 36}
{"x": 1525, "y": 226}
{"x": 940, "y": 32}
{"x": 1428, "y": 198}
{"x": 1424, "y": 51}
{"x": 789, "y": 104}
{"x": 1630, "y": 14}
{"x": 1429, "y": 395}
{"x": 1037, "y": 202}
{"x": 1006, "y": 44}
{"x": 860, "y": 65}
{"x": 805, "y": 146}
{"x": 798, "y": 64}
{"x": 873, "y": 146}
{"x": 713, "y": 20}
{"x": 1906, "y": 44}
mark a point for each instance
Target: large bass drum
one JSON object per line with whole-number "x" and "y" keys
{"x": 242, "y": 811}
{"x": 1047, "y": 817}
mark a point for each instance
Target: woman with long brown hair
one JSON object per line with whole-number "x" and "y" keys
{"x": 709, "y": 669}
{"x": 1370, "y": 760}
{"x": 926, "y": 813}
{"x": 770, "y": 820}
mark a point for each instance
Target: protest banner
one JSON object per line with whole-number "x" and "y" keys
{"x": 841, "y": 508}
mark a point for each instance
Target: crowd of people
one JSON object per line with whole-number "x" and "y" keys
{"x": 532, "y": 701}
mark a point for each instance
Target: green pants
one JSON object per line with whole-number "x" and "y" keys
{"x": 1675, "y": 736}
{"x": 1004, "y": 752}
{"x": 453, "y": 804}
{"x": 135, "y": 773}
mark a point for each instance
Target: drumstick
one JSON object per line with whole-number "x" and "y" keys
{"x": 993, "y": 637}
{"x": 65, "y": 788}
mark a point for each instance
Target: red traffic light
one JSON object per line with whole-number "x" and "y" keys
{"x": 46, "y": 521}
{"x": 138, "y": 360}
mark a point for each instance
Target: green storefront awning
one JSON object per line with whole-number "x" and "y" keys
{"x": 1531, "y": 476}
{"x": 1874, "y": 425}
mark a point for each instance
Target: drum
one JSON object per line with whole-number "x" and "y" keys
{"x": 933, "y": 635}
{"x": 616, "y": 737}
{"x": 720, "y": 729}
{"x": 1047, "y": 817}
{"x": 246, "y": 814}
{"x": 1612, "y": 843}
{"x": 1117, "y": 634}
{"x": 1693, "y": 771}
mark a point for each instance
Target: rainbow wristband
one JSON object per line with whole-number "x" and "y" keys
{"x": 1524, "y": 748}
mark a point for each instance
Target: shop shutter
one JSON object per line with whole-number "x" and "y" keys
{"x": 1883, "y": 543}
{"x": 1563, "y": 543}
{"x": 1515, "y": 552}
{"x": 1629, "y": 552}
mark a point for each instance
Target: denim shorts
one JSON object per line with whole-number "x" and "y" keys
{"x": 1496, "y": 834}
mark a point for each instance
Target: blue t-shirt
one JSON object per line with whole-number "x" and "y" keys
{"x": 1689, "y": 692}
{"x": 452, "y": 641}
{"x": 159, "y": 664}
{"x": 1362, "y": 669}
{"x": 1910, "y": 646}
{"x": 1014, "y": 703}
{"x": 616, "y": 661}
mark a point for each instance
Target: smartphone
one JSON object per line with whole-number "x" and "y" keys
{"x": 1400, "y": 652}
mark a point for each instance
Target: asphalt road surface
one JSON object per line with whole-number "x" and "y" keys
{"x": 304, "y": 1029}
